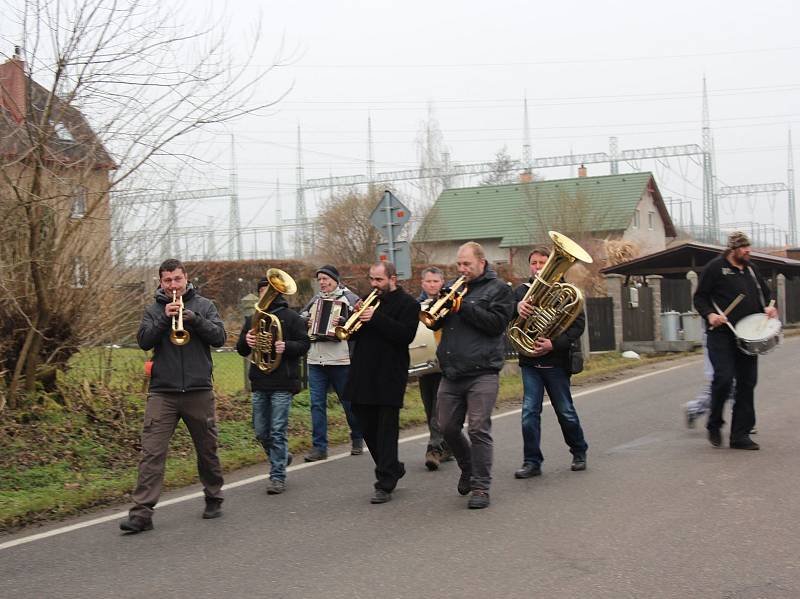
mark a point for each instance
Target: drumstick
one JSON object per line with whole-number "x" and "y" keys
{"x": 764, "y": 324}
{"x": 727, "y": 311}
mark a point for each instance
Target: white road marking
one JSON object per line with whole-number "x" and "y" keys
{"x": 338, "y": 456}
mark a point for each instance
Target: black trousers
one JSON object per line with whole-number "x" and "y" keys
{"x": 428, "y": 389}
{"x": 731, "y": 364}
{"x": 381, "y": 428}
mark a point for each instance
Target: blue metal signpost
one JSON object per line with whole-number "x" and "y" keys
{"x": 389, "y": 217}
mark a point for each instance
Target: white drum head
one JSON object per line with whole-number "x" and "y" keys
{"x": 757, "y": 326}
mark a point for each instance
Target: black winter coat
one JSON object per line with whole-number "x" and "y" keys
{"x": 187, "y": 367}
{"x": 473, "y": 338}
{"x": 287, "y": 376}
{"x": 560, "y": 356}
{"x": 379, "y": 364}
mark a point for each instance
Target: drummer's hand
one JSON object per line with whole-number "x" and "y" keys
{"x": 716, "y": 320}
{"x": 771, "y": 312}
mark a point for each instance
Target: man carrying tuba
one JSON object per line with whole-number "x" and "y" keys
{"x": 272, "y": 391}
{"x": 548, "y": 368}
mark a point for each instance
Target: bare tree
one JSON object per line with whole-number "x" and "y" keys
{"x": 97, "y": 91}
{"x": 503, "y": 169}
{"x": 430, "y": 152}
{"x": 344, "y": 232}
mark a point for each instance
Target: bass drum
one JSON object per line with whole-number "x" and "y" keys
{"x": 422, "y": 352}
{"x": 757, "y": 334}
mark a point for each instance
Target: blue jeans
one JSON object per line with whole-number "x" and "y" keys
{"x": 319, "y": 379}
{"x": 534, "y": 382}
{"x": 270, "y": 422}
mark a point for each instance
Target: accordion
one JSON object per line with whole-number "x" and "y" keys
{"x": 324, "y": 315}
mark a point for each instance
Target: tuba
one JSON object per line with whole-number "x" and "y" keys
{"x": 555, "y": 305}
{"x": 438, "y": 311}
{"x": 345, "y": 331}
{"x": 178, "y": 335}
{"x": 267, "y": 327}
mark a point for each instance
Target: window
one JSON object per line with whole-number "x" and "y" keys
{"x": 651, "y": 220}
{"x": 62, "y": 132}
{"x": 80, "y": 272}
{"x": 636, "y": 219}
{"x": 78, "y": 203}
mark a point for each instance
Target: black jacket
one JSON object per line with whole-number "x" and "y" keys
{"x": 287, "y": 376}
{"x": 721, "y": 282}
{"x": 562, "y": 344}
{"x": 379, "y": 364}
{"x": 473, "y": 338}
{"x": 181, "y": 368}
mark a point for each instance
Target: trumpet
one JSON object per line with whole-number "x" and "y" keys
{"x": 178, "y": 335}
{"x": 344, "y": 332}
{"x": 438, "y": 310}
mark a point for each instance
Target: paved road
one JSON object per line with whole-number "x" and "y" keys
{"x": 659, "y": 513}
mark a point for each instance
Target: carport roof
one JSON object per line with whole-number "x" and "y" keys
{"x": 692, "y": 255}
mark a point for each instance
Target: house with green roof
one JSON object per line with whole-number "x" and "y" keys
{"x": 508, "y": 219}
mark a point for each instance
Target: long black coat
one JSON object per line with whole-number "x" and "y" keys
{"x": 379, "y": 364}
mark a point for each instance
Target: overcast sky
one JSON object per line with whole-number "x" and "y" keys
{"x": 590, "y": 70}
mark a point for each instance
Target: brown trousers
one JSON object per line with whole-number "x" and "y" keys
{"x": 197, "y": 409}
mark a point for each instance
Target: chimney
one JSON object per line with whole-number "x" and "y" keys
{"x": 581, "y": 171}
{"x": 13, "y": 88}
{"x": 526, "y": 176}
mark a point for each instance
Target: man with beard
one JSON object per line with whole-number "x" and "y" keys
{"x": 723, "y": 279}
{"x": 379, "y": 372}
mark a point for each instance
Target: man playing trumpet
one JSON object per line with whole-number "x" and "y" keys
{"x": 378, "y": 375}
{"x": 471, "y": 354}
{"x": 180, "y": 389}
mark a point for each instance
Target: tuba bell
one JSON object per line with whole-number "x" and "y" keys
{"x": 437, "y": 310}
{"x": 267, "y": 327}
{"x": 555, "y": 305}
{"x": 344, "y": 331}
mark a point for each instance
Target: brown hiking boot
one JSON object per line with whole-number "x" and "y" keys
{"x": 432, "y": 459}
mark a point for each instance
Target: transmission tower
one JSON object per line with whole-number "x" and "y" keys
{"x": 168, "y": 248}
{"x": 234, "y": 223}
{"x": 710, "y": 208}
{"x": 527, "y": 154}
{"x": 279, "y": 251}
{"x": 790, "y": 185}
{"x": 211, "y": 248}
{"x": 370, "y": 158}
{"x": 613, "y": 154}
{"x": 300, "y": 203}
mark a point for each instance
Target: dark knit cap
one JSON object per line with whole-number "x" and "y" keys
{"x": 262, "y": 282}
{"x": 330, "y": 271}
{"x": 737, "y": 239}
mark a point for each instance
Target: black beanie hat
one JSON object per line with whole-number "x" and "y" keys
{"x": 330, "y": 271}
{"x": 263, "y": 282}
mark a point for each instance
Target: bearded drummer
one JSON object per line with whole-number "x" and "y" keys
{"x": 723, "y": 279}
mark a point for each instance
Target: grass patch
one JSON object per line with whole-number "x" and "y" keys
{"x": 60, "y": 460}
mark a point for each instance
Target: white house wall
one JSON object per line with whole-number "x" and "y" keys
{"x": 648, "y": 239}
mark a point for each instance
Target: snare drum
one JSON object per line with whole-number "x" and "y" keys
{"x": 758, "y": 334}
{"x": 422, "y": 352}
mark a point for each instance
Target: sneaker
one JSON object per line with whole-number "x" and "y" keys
{"x": 464, "y": 484}
{"x": 136, "y": 524}
{"x": 289, "y": 458}
{"x": 478, "y": 500}
{"x": 213, "y": 508}
{"x": 381, "y": 496}
{"x": 315, "y": 455}
{"x": 691, "y": 418}
{"x": 276, "y": 487}
{"x": 432, "y": 460}
{"x": 714, "y": 437}
{"x": 358, "y": 447}
{"x": 528, "y": 470}
{"x": 578, "y": 462}
{"x": 754, "y": 431}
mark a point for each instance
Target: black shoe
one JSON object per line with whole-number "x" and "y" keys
{"x": 289, "y": 459}
{"x": 315, "y": 455}
{"x": 714, "y": 437}
{"x": 478, "y": 500}
{"x": 464, "y": 484}
{"x": 213, "y": 509}
{"x": 276, "y": 487}
{"x": 380, "y": 496}
{"x": 746, "y": 443}
{"x": 578, "y": 462}
{"x": 528, "y": 470}
{"x": 136, "y": 524}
